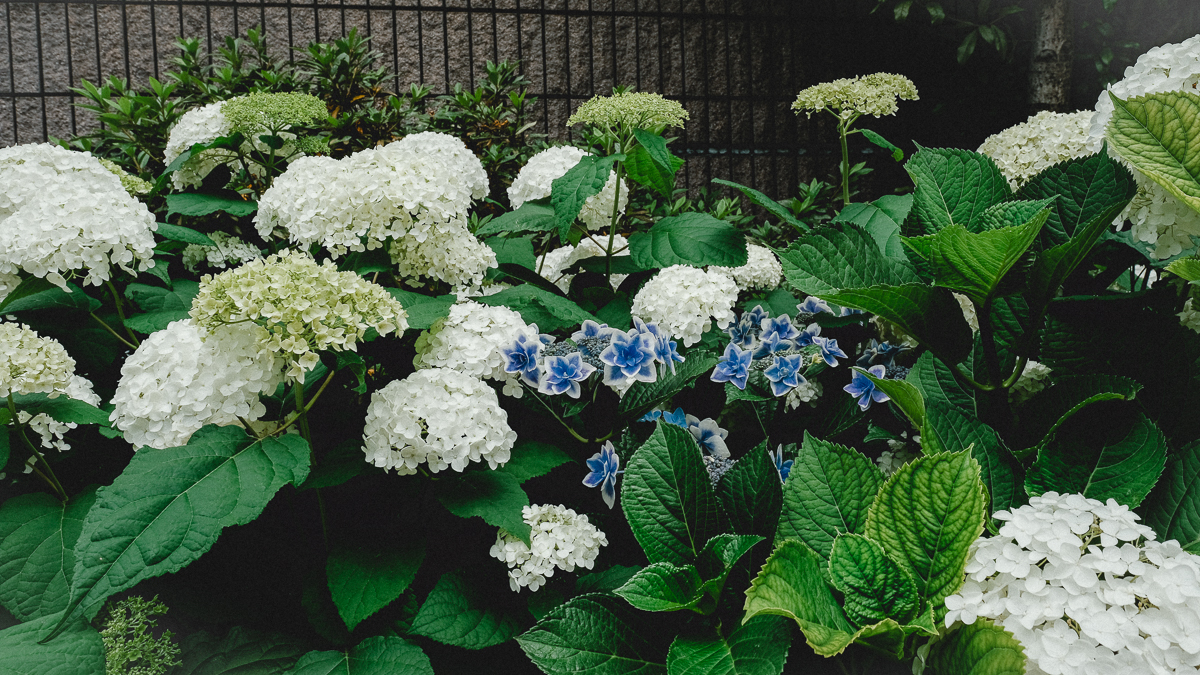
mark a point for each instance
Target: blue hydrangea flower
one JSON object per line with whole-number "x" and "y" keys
{"x": 770, "y": 344}
{"x": 846, "y": 311}
{"x": 562, "y": 374}
{"x": 710, "y": 436}
{"x": 522, "y": 358}
{"x": 651, "y": 416}
{"x": 756, "y": 315}
{"x": 784, "y": 373}
{"x": 678, "y": 418}
{"x": 813, "y": 305}
{"x": 734, "y": 366}
{"x": 781, "y": 326}
{"x": 879, "y": 354}
{"x": 591, "y": 329}
{"x": 630, "y": 358}
{"x": 604, "y": 467}
{"x": 805, "y": 337}
{"x": 829, "y": 350}
{"x": 743, "y": 332}
{"x": 784, "y": 468}
{"x": 665, "y": 349}
{"x": 864, "y": 390}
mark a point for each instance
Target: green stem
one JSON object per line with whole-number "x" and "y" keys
{"x": 963, "y": 378}
{"x": 612, "y": 225}
{"x": 1016, "y": 374}
{"x": 566, "y": 426}
{"x": 986, "y": 333}
{"x": 302, "y": 415}
{"x": 842, "y": 129}
{"x": 114, "y": 333}
{"x": 49, "y": 476}
{"x": 303, "y": 408}
{"x": 121, "y": 311}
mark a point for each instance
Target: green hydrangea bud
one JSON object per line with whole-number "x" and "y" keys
{"x": 874, "y": 95}
{"x": 133, "y": 185}
{"x": 261, "y": 111}
{"x": 634, "y": 110}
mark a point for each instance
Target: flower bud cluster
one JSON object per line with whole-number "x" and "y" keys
{"x": 470, "y": 339}
{"x": 631, "y": 110}
{"x": 873, "y": 94}
{"x": 229, "y": 251}
{"x": 561, "y": 539}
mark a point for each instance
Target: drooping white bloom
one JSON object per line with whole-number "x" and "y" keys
{"x": 230, "y": 251}
{"x": 1033, "y": 379}
{"x": 1158, "y": 218}
{"x": 1045, "y": 139}
{"x": 62, "y": 212}
{"x": 439, "y": 417}
{"x": 534, "y": 179}
{"x": 30, "y": 363}
{"x": 186, "y": 376}
{"x": 1086, "y": 589}
{"x": 448, "y": 253}
{"x": 682, "y": 300}
{"x": 8, "y": 282}
{"x": 762, "y": 270}
{"x": 808, "y": 392}
{"x": 1189, "y": 317}
{"x": 561, "y": 539}
{"x": 51, "y": 431}
{"x": 469, "y": 340}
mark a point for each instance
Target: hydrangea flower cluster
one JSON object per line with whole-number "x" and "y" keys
{"x": 603, "y": 469}
{"x": 185, "y": 376}
{"x": 762, "y": 270}
{"x": 555, "y": 262}
{"x": 471, "y": 339}
{"x": 230, "y": 251}
{"x": 1033, "y": 379}
{"x": 198, "y": 125}
{"x": 535, "y": 178}
{"x": 297, "y": 307}
{"x": 135, "y": 186}
{"x": 62, "y": 212}
{"x": 898, "y": 454}
{"x": 1158, "y": 218}
{"x": 807, "y": 392}
{"x": 439, "y": 417}
{"x": 683, "y": 299}
{"x": 874, "y": 94}
{"x": 1189, "y": 317}
{"x": 51, "y": 431}
{"x": 30, "y": 363}
{"x": 708, "y": 435}
{"x": 1045, "y": 139}
{"x": 561, "y": 539}
{"x": 8, "y": 282}
{"x": 968, "y": 310}
{"x": 631, "y": 110}
{"x": 1086, "y": 589}
{"x": 777, "y": 348}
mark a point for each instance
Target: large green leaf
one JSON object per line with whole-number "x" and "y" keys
{"x": 874, "y": 587}
{"x": 931, "y": 315}
{"x": 1104, "y": 453}
{"x": 61, "y": 409}
{"x": 78, "y": 649}
{"x": 168, "y": 507}
{"x": 1052, "y": 266}
{"x": 37, "y": 552}
{"x": 37, "y": 293}
{"x": 692, "y": 238}
{"x": 663, "y": 587}
{"x": 952, "y": 187}
{"x": 184, "y": 234}
{"x": 936, "y": 382}
{"x": 597, "y": 634}
{"x": 1084, "y": 188}
{"x": 1053, "y": 406}
{"x": 751, "y": 494}
{"x": 791, "y": 585}
{"x": 530, "y": 459}
{"x": 827, "y": 493}
{"x": 1173, "y": 508}
{"x": 958, "y": 430}
{"x": 1187, "y": 269}
{"x": 652, "y": 164}
{"x": 194, "y": 204}
{"x": 572, "y": 189}
{"x": 160, "y": 306}
{"x": 423, "y": 310}
{"x": 535, "y": 215}
{"x": 643, "y": 396}
{"x": 882, "y": 219}
{"x": 926, "y": 516}
{"x": 758, "y": 647}
{"x": 381, "y": 655}
{"x": 719, "y": 557}
{"x": 904, "y": 394}
{"x": 979, "y": 649}
{"x": 513, "y": 251}
{"x": 775, "y": 208}
{"x": 668, "y": 499}
{"x": 494, "y": 496}
{"x": 365, "y": 578}
{"x": 841, "y": 256}
{"x": 1157, "y": 135}
{"x": 242, "y": 651}
{"x": 461, "y": 613}
{"x": 535, "y": 305}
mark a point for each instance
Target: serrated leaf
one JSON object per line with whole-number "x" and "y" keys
{"x": 952, "y": 187}
{"x": 61, "y": 409}
{"x": 643, "y": 396}
{"x": 881, "y": 218}
{"x": 775, "y": 208}
{"x": 185, "y": 234}
{"x": 535, "y": 215}
{"x": 338, "y": 465}
{"x": 78, "y": 649}
{"x": 193, "y": 204}
{"x": 605, "y": 581}
{"x": 1085, "y": 187}
{"x": 663, "y": 587}
{"x": 460, "y": 613}
{"x": 1173, "y": 508}
{"x": 530, "y": 459}
{"x": 37, "y": 552}
{"x": 979, "y": 649}
{"x": 495, "y": 497}
{"x": 1187, "y": 269}
{"x": 513, "y": 251}
{"x": 1013, "y": 213}
{"x": 693, "y": 238}
{"x": 597, "y": 634}
{"x": 365, "y": 578}
{"x": 827, "y": 493}
{"x": 1102, "y": 455}
{"x": 1052, "y": 266}
{"x": 841, "y": 256}
{"x": 36, "y": 293}
{"x": 1050, "y": 408}
{"x": 643, "y": 169}
{"x": 1157, "y": 135}
{"x": 759, "y": 647}
{"x": 935, "y": 381}
{"x": 874, "y": 587}
{"x": 668, "y": 499}
{"x": 535, "y": 305}
{"x": 423, "y": 310}
{"x": 926, "y": 516}
{"x": 877, "y": 140}
{"x": 751, "y": 494}
{"x": 904, "y": 394}
{"x": 572, "y": 189}
{"x": 931, "y": 315}
{"x": 956, "y": 429}
{"x": 168, "y": 507}
{"x": 242, "y": 651}
{"x": 381, "y": 655}
{"x": 160, "y": 306}
{"x": 720, "y": 555}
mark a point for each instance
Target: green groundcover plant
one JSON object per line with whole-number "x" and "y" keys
{"x": 442, "y": 397}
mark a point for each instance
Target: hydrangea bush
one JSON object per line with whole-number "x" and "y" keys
{"x": 343, "y": 413}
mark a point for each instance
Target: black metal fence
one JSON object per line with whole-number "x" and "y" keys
{"x": 735, "y": 64}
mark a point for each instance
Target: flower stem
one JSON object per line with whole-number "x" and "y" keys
{"x": 49, "y": 476}
{"x": 566, "y": 426}
{"x": 845, "y": 163}
{"x": 115, "y": 334}
{"x": 121, "y": 312}
{"x": 612, "y": 224}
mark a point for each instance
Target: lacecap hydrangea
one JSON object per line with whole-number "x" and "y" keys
{"x": 560, "y": 539}
{"x": 685, "y": 301}
{"x": 470, "y": 339}
{"x": 438, "y": 417}
{"x": 31, "y": 363}
{"x": 1086, "y": 589}
{"x": 62, "y": 213}
{"x": 535, "y": 179}
{"x": 1045, "y": 139}
{"x": 297, "y": 307}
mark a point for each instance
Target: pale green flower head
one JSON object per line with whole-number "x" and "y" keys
{"x": 133, "y": 185}
{"x": 262, "y": 111}
{"x": 632, "y": 110}
{"x": 874, "y": 95}
{"x": 130, "y": 647}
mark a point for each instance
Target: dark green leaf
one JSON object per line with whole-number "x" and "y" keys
{"x": 61, "y": 409}
{"x": 752, "y": 494}
{"x": 37, "y": 552}
{"x": 37, "y": 293}
{"x": 979, "y": 649}
{"x": 1173, "y": 508}
{"x": 160, "y": 306}
{"x": 935, "y": 381}
{"x": 759, "y": 647}
{"x": 906, "y": 396}
{"x": 1085, "y": 187}
{"x": 621, "y": 264}
{"x": 692, "y": 238}
{"x": 873, "y": 585}
{"x": 572, "y": 189}
{"x": 382, "y": 655}
{"x": 643, "y": 169}
{"x": 881, "y": 218}
{"x": 596, "y": 634}
{"x": 549, "y": 311}
{"x": 841, "y": 256}
{"x": 775, "y": 208}
{"x": 243, "y": 651}
{"x": 365, "y": 578}
{"x": 463, "y": 614}
{"x": 513, "y": 250}
{"x": 896, "y": 153}
{"x": 78, "y": 649}
{"x": 423, "y": 310}
{"x": 492, "y": 495}
{"x": 536, "y": 215}
{"x": 663, "y": 587}
{"x": 1052, "y": 407}
{"x": 193, "y": 204}
{"x": 531, "y": 459}
{"x": 185, "y": 234}
{"x": 1052, "y": 266}
{"x": 511, "y": 271}
{"x": 643, "y": 396}
{"x": 952, "y": 187}
{"x": 957, "y": 430}
{"x": 931, "y": 315}
{"x": 343, "y": 462}
{"x": 605, "y": 581}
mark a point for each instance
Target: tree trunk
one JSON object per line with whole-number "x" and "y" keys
{"x": 1053, "y": 54}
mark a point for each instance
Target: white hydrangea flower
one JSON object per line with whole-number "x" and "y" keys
{"x": 469, "y": 340}
{"x": 448, "y": 253}
{"x": 897, "y": 455}
{"x": 561, "y": 539}
{"x": 1086, "y": 589}
{"x": 439, "y": 417}
{"x": 808, "y": 392}
{"x": 534, "y": 179}
{"x": 30, "y": 363}
{"x": 682, "y": 299}
{"x": 564, "y": 257}
{"x": 1033, "y": 379}
{"x": 8, "y": 282}
{"x": 1190, "y": 317}
{"x": 51, "y": 431}
{"x": 1045, "y": 139}
{"x": 185, "y": 376}
{"x": 1158, "y": 218}
{"x": 297, "y": 307}
{"x": 762, "y": 270}
{"x": 968, "y": 310}
{"x": 198, "y": 125}
{"x": 63, "y": 212}
{"x": 230, "y": 251}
